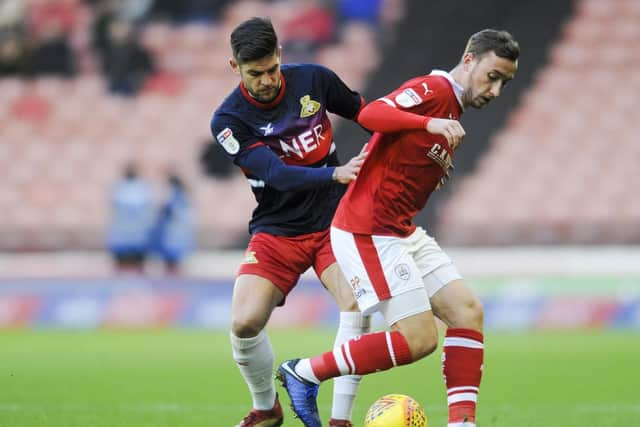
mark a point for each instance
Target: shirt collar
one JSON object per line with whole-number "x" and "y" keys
{"x": 457, "y": 88}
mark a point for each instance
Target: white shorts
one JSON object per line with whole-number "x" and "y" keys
{"x": 380, "y": 269}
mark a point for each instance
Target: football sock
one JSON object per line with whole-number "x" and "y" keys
{"x": 369, "y": 353}
{"x": 462, "y": 369}
{"x": 254, "y": 357}
{"x": 352, "y": 324}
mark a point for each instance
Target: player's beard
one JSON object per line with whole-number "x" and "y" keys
{"x": 267, "y": 95}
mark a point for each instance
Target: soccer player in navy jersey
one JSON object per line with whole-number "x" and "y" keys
{"x": 274, "y": 126}
{"x": 393, "y": 266}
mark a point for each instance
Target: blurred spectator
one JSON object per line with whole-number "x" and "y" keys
{"x": 132, "y": 218}
{"x": 172, "y": 234}
{"x": 214, "y": 161}
{"x": 312, "y": 27}
{"x": 126, "y": 63}
{"x": 190, "y": 10}
{"x": 360, "y": 10}
{"x": 13, "y": 54}
{"x": 45, "y": 14}
{"x": 52, "y": 53}
{"x": 12, "y": 14}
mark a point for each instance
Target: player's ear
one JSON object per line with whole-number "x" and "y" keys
{"x": 467, "y": 59}
{"x": 234, "y": 65}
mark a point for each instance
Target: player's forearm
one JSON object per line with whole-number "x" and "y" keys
{"x": 263, "y": 163}
{"x": 381, "y": 117}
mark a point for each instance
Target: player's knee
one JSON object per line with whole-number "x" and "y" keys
{"x": 422, "y": 343}
{"x": 471, "y": 315}
{"x": 246, "y": 325}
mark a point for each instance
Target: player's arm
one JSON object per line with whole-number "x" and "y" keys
{"x": 267, "y": 166}
{"x": 341, "y": 100}
{"x": 385, "y": 116}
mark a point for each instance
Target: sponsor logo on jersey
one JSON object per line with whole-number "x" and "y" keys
{"x": 438, "y": 154}
{"x": 309, "y": 106}
{"x": 250, "y": 258}
{"x": 308, "y": 141}
{"x": 228, "y": 141}
{"x": 441, "y": 156}
{"x": 408, "y": 98}
{"x": 402, "y": 271}
{"x": 267, "y": 130}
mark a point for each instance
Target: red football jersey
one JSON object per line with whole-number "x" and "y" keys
{"x": 403, "y": 168}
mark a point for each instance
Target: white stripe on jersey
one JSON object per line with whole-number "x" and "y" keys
{"x": 387, "y": 101}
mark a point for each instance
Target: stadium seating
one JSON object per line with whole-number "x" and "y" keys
{"x": 566, "y": 167}
{"x": 64, "y": 142}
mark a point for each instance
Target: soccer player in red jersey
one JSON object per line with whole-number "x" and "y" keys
{"x": 275, "y": 127}
{"x": 393, "y": 266}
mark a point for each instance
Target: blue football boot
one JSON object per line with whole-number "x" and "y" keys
{"x": 302, "y": 393}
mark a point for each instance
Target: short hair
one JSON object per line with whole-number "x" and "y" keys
{"x": 500, "y": 42}
{"x": 253, "y": 39}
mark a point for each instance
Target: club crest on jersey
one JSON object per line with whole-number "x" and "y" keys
{"x": 408, "y": 98}
{"x": 228, "y": 141}
{"x": 309, "y": 106}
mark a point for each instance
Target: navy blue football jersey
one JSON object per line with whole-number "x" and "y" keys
{"x": 295, "y": 127}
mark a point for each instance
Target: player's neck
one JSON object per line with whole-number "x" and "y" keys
{"x": 457, "y": 74}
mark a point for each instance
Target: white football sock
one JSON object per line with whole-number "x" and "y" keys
{"x": 352, "y": 324}
{"x": 254, "y": 357}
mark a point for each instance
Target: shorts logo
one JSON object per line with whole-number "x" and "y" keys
{"x": 355, "y": 286}
{"x": 309, "y": 106}
{"x": 250, "y": 258}
{"x": 402, "y": 271}
{"x": 408, "y": 98}
{"x": 228, "y": 141}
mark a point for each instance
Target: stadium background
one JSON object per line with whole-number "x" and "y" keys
{"x": 542, "y": 216}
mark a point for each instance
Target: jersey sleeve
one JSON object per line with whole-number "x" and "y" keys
{"x": 341, "y": 100}
{"x": 232, "y": 135}
{"x": 406, "y": 108}
{"x": 415, "y": 96}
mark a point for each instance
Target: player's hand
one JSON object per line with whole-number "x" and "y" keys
{"x": 347, "y": 173}
{"x": 452, "y": 130}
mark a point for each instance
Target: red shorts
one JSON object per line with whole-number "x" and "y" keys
{"x": 283, "y": 259}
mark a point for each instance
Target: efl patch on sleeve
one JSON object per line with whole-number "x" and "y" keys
{"x": 228, "y": 141}
{"x": 408, "y": 98}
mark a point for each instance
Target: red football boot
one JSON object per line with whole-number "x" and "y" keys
{"x": 270, "y": 418}
{"x": 339, "y": 423}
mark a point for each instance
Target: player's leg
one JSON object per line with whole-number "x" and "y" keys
{"x": 352, "y": 324}
{"x": 373, "y": 280}
{"x": 410, "y": 339}
{"x": 461, "y": 311}
{"x": 463, "y": 350}
{"x": 270, "y": 270}
{"x": 254, "y": 299}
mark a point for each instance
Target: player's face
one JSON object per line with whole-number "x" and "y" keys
{"x": 261, "y": 77}
{"x": 487, "y": 77}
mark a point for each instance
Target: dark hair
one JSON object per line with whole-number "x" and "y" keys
{"x": 253, "y": 39}
{"x": 500, "y": 42}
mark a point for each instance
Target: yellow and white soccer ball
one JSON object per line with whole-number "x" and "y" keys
{"x": 396, "y": 410}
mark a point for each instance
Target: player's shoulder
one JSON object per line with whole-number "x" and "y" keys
{"x": 435, "y": 81}
{"x": 305, "y": 71}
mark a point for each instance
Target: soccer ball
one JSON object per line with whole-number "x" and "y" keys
{"x": 395, "y": 410}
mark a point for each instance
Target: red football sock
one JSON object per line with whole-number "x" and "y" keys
{"x": 462, "y": 369}
{"x": 368, "y": 353}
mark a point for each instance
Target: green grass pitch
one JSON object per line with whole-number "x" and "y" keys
{"x": 187, "y": 378}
